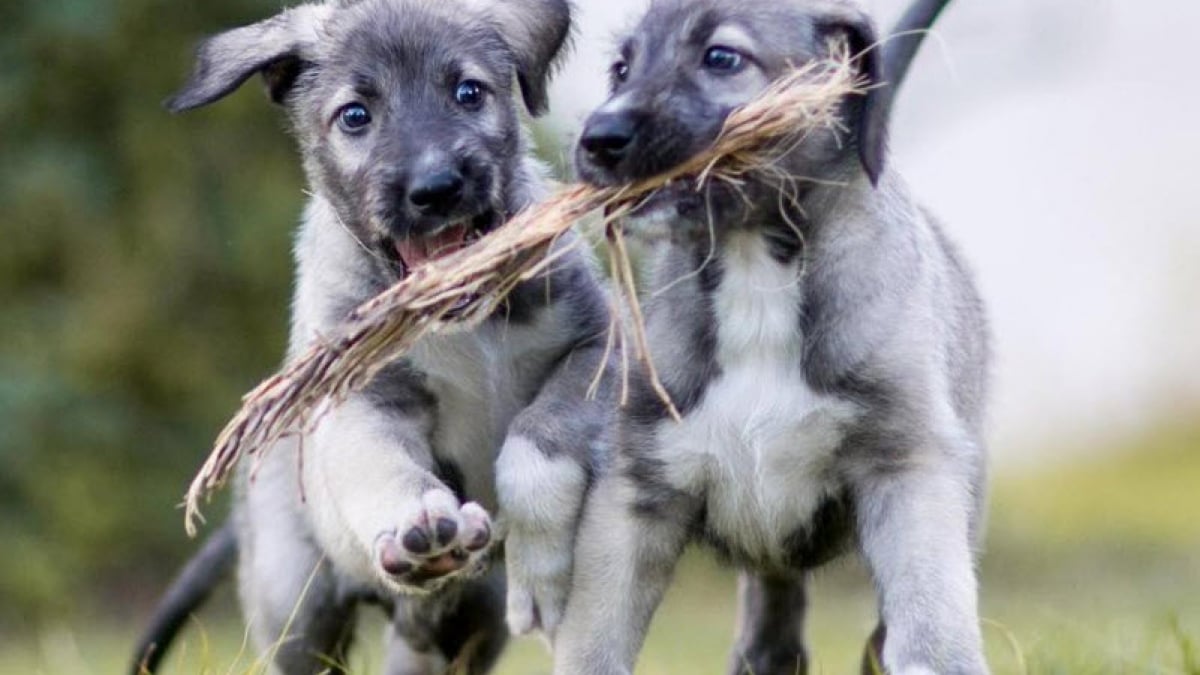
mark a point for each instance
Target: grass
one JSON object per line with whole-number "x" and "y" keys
{"x": 1091, "y": 568}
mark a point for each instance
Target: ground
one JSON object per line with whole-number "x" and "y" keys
{"x": 1092, "y": 567}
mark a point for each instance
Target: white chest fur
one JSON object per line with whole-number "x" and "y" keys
{"x": 760, "y": 443}
{"x": 481, "y": 379}
{"x": 462, "y": 375}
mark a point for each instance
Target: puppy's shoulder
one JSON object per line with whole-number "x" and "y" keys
{"x": 334, "y": 273}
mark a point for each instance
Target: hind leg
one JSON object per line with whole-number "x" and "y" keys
{"x": 770, "y": 626}
{"x": 297, "y": 619}
{"x": 460, "y": 629}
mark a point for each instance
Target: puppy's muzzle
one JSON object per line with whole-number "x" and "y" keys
{"x": 437, "y": 193}
{"x": 440, "y": 206}
{"x": 608, "y": 138}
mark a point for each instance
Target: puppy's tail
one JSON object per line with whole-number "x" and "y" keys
{"x": 906, "y": 37}
{"x": 184, "y": 596}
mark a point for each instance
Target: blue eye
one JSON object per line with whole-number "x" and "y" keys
{"x": 722, "y": 58}
{"x": 469, "y": 93}
{"x": 620, "y": 71}
{"x": 353, "y": 117}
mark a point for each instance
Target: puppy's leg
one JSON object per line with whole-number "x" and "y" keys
{"x": 770, "y": 627}
{"x": 625, "y": 555}
{"x": 298, "y": 623}
{"x": 541, "y": 491}
{"x": 297, "y": 620}
{"x": 460, "y": 630}
{"x": 914, "y": 531}
{"x": 381, "y": 512}
{"x": 542, "y": 475}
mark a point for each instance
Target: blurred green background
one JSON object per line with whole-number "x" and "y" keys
{"x": 145, "y": 269}
{"x": 144, "y": 281}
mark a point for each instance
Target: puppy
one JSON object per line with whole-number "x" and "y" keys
{"x": 823, "y": 341}
{"x": 408, "y": 122}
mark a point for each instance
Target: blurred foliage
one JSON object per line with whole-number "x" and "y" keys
{"x": 144, "y": 283}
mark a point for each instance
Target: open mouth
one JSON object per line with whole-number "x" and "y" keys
{"x": 415, "y": 250}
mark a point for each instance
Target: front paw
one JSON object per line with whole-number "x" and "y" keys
{"x": 437, "y": 542}
{"x": 539, "y": 578}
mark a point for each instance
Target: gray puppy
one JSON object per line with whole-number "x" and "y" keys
{"x": 407, "y": 116}
{"x": 823, "y": 341}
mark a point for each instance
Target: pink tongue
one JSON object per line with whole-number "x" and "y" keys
{"x": 415, "y": 251}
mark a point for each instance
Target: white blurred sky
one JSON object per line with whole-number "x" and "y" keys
{"x": 1059, "y": 141}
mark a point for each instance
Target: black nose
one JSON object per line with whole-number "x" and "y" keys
{"x": 608, "y": 138}
{"x": 437, "y": 193}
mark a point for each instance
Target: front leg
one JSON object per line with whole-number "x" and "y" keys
{"x": 628, "y": 545}
{"x": 380, "y": 512}
{"x": 542, "y": 476}
{"x": 914, "y": 531}
{"x": 540, "y": 493}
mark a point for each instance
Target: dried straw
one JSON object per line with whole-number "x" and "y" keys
{"x": 462, "y": 288}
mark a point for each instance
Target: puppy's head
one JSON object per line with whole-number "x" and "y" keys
{"x": 688, "y": 64}
{"x": 406, "y": 110}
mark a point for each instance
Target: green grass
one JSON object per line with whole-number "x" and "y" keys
{"x": 1090, "y": 568}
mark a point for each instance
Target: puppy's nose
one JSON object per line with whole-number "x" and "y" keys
{"x": 608, "y": 138}
{"x": 437, "y": 193}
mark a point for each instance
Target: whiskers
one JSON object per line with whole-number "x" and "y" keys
{"x": 367, "y": 248}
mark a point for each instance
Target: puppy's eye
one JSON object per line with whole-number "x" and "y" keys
{"x": 353, "y": 118}
{"x": 469, "y": 93}
{"x": 724, "y": 59}
{"x": 620, "y": 71}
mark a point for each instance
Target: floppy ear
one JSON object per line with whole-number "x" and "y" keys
{"x": 871, "y": 125}
{"x": 275, "y": 47}
{"x": 536, "y": 31}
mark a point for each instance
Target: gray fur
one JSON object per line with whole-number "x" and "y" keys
{"x": 393, "y": 497}
{"x": 827, "y": 349}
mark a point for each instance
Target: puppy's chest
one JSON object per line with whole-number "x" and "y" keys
{"x": 760, "y": 444}
{"x": 462, "y": 376}
{"x": 480, "y": 380}
{"x": 474, "y": 400}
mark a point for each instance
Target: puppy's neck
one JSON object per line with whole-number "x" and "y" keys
{"x": 830, "y": 206}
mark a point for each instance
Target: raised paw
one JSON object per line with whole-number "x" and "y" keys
{"x": 439, "y": 541}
